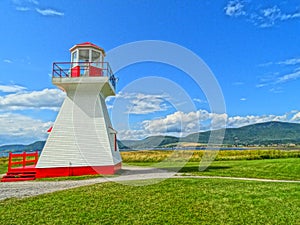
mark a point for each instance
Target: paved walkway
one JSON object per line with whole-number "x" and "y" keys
{"x": 136, "y": 176}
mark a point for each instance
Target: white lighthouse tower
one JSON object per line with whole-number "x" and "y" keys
{"x": 82, "y": 140}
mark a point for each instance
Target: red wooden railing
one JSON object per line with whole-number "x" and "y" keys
{"x": 23, "y": 160}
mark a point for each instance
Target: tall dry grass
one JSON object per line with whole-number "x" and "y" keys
{"x": 196, "y": 155}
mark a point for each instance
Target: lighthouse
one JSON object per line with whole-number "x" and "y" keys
{"x": 82, "y": 140}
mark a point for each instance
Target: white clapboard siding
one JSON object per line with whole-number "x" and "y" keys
{"x": 81, "y": 134}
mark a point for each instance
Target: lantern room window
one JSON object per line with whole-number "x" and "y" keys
{"x": 84, "y": 55}
{"x": 74, "y": 57}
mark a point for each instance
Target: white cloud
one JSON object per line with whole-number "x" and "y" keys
{"x": 140, "y": 103}
{"x": 7, "y": 61}
{"x": 24, "y": 5}
{"x": 132, "y": 134}
{"x": 291, "y": 76}
{"x": 22, "y": 9}
{"x": 270, "y": 16}
{"x": 235, "y": 8}
{"x": 185, "y": 123}
{"x": 276, "y": 90}
{"x": 181, "y": 124}
{"x": 11, "y": 88}
{"x": 292, "y": 64}
{"x": 259, "y": 15}
{"x": 199, "y": 100}
{"x": 243, "y": 99}
{"x": 239, "y": 121}
{"x": 292, "y": 61}
{"x": 46, "y": 99}
{"x": 22, "y": 2}
{"x": 296, "y": 117}
{"x": 27, "y": 5}
{"x": 16, "y": 128}
{"x": 49, "y": 12}
{"x": 33, "y": 2}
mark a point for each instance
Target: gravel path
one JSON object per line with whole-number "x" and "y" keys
{"x": 136, "y": 176}
{"x": 32, "y": 188}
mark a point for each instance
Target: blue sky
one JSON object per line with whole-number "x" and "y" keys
{"x": 252, "y": 48}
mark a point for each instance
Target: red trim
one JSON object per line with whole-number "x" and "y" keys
{"x": 77, "y": 171}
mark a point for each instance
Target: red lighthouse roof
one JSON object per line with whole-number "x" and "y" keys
{"x": 87, "y": 44}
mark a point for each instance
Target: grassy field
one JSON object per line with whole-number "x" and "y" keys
{"x": 265, "y": 163}
{"x": 175, "y": 201}
{"x": 281, "y": 169}
{"x": 172, "y": 201}
{"x": 286, "y": 169}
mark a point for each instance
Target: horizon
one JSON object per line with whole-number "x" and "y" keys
{"x": 251, "y": 48}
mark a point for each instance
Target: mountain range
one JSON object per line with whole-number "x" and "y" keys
{"x": 268, "y": 133}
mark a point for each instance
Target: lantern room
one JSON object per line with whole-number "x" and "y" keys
{"x": 87, "y": 65}
{"x": 87, "y": 60}
{"x": 87, "y": 52}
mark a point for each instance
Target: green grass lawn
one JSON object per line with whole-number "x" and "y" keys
{"x": 284, "y": 169}
{"x": 288, "y": 169}
{"x": 172, "y": 201}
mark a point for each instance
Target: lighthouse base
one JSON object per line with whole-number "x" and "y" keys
{"x": 77, "y": 171}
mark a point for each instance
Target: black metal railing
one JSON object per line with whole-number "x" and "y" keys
{"x": 83, "y": 69}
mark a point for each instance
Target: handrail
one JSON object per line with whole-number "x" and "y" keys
{"x": 83, "y": 69}
{"x": 23, "y": 162}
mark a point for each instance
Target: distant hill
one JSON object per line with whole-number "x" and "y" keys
{"x": 149, "y": 142}
{"x": 264, "y": 134}
{"x": 256, "y": 134}
{"x": 38, "y": 145}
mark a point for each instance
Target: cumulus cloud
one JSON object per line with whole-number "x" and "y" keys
{"x": 239, "y": 121}
{"x": 177, "y": 124}
{"x": 131, "y": 134}
{"x": 234, "y": 8}
{"x": 45, "y": 99}
{"x": 181, "y": 124}
{"x": 49, "y": 12}
{"x": 296, "y": 117}
{"x": 16, "y": 128}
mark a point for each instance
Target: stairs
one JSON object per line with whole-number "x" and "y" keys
{"x": 18, "y": 176}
